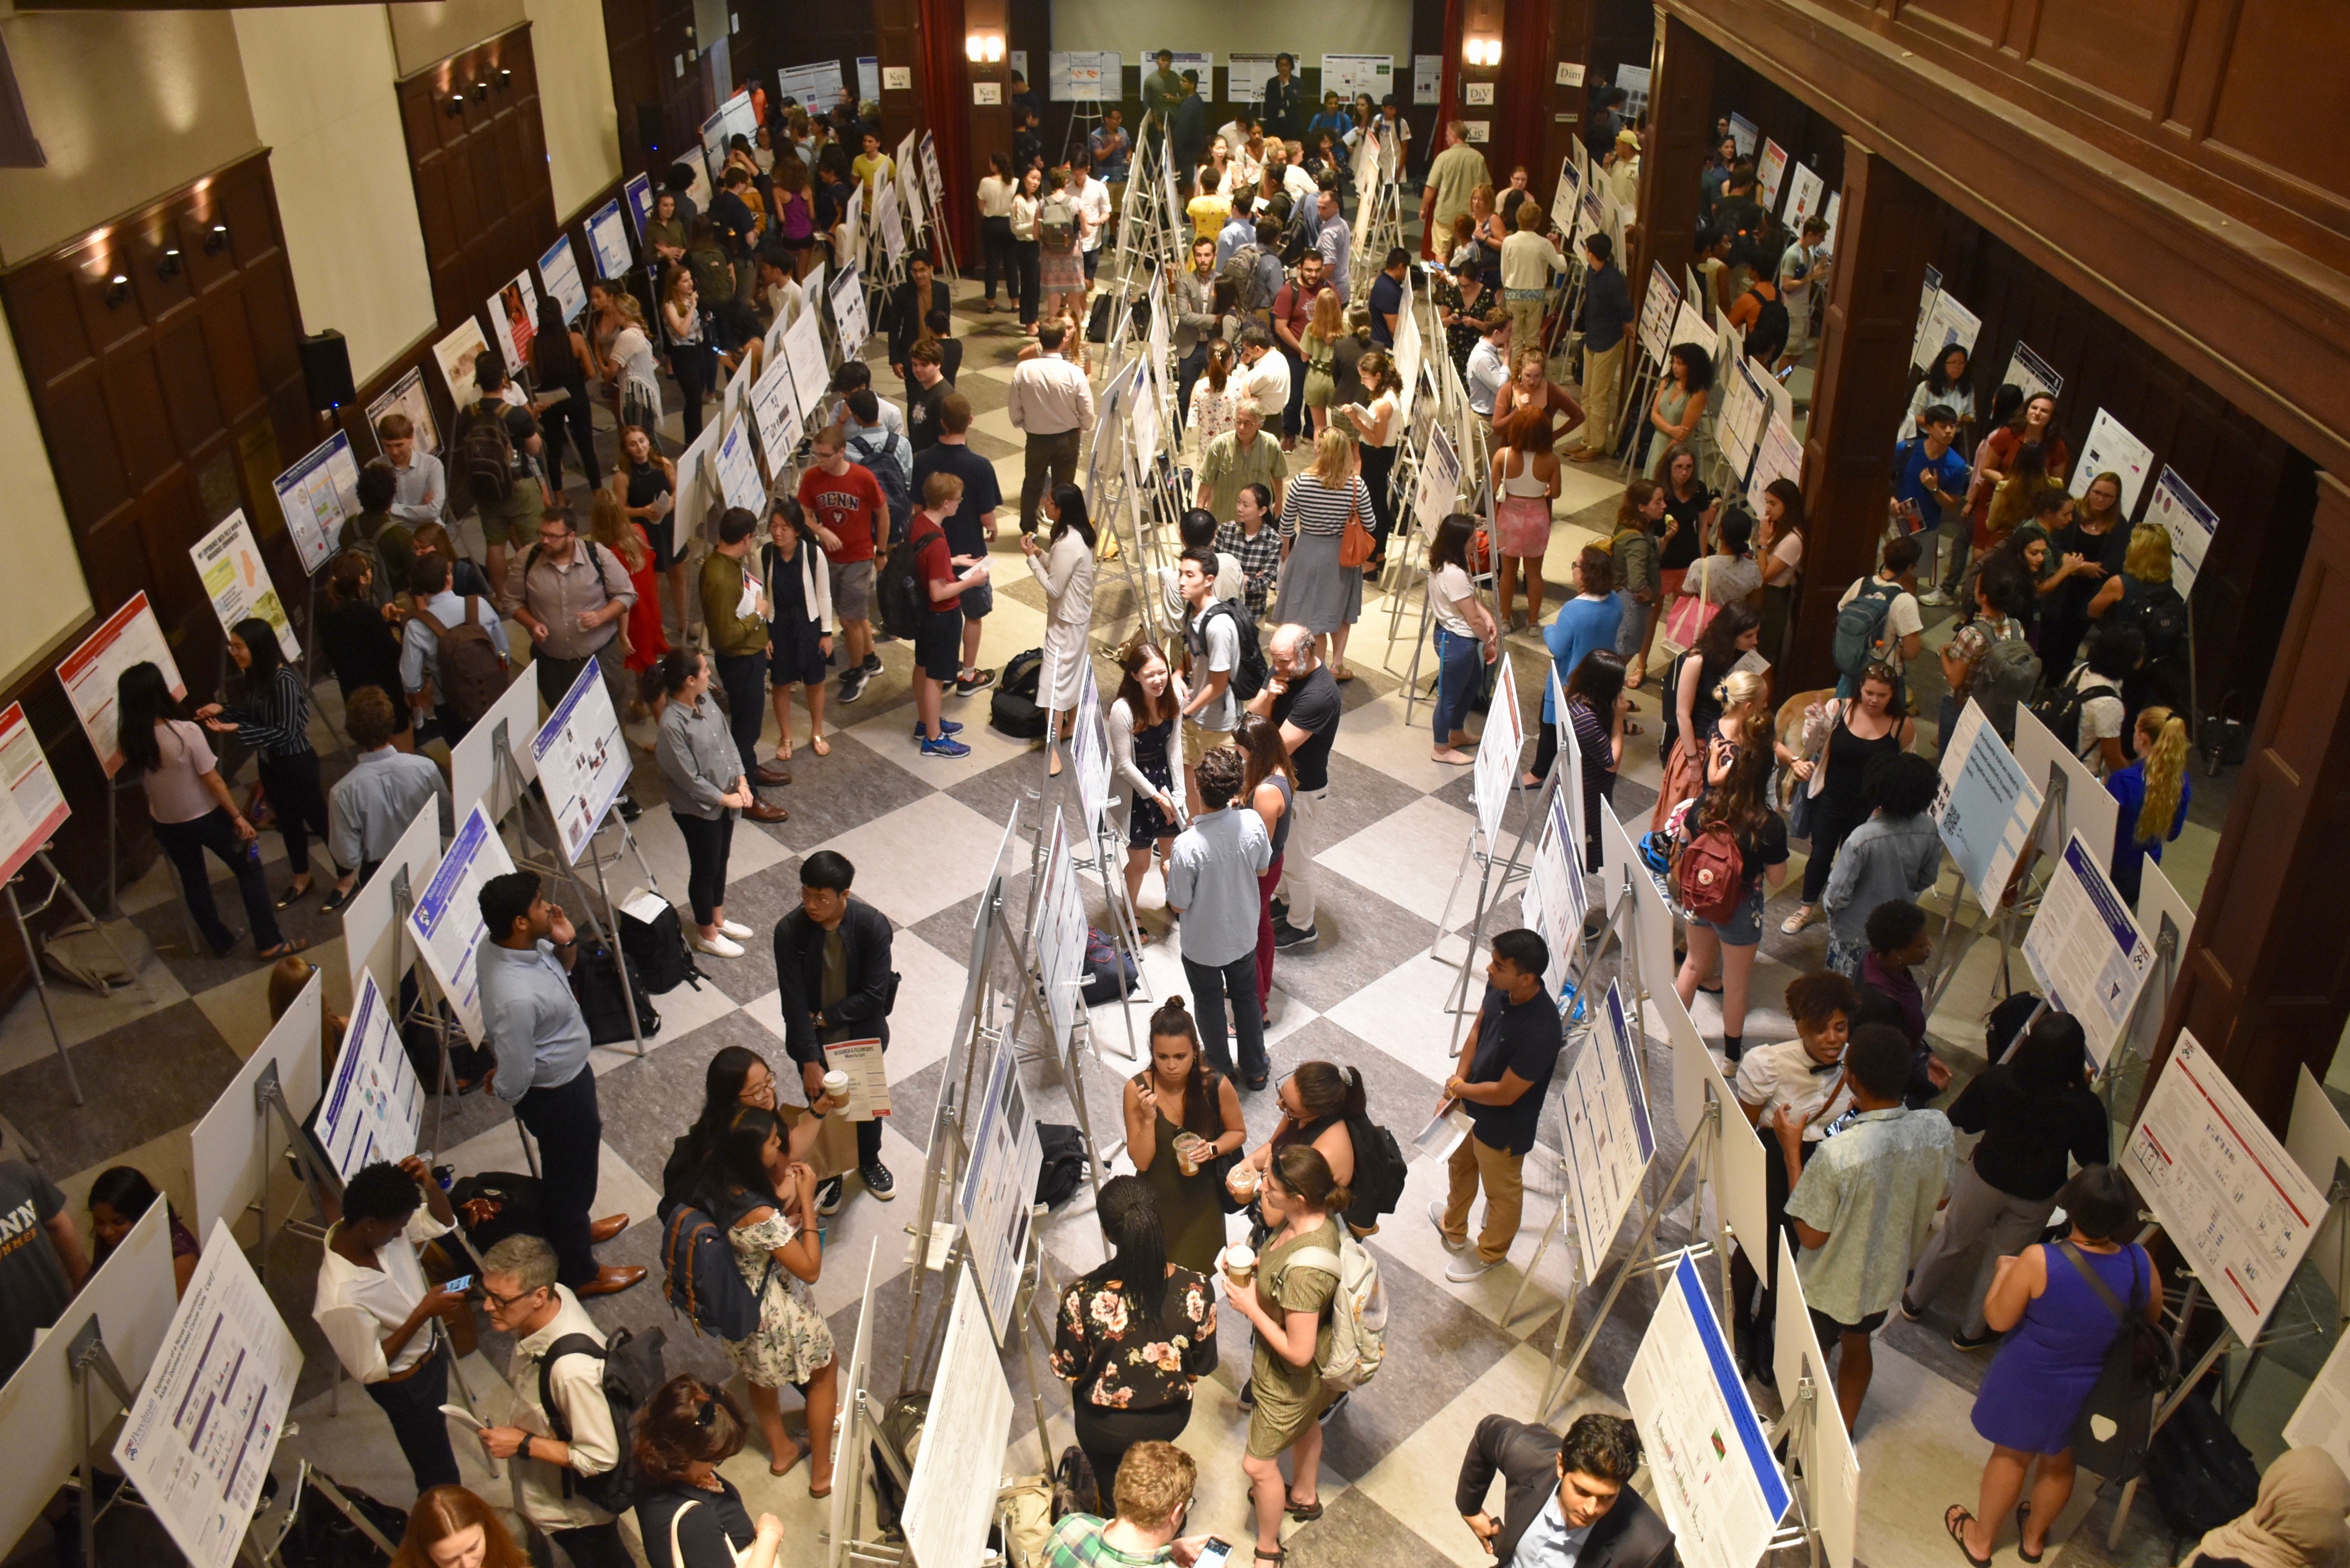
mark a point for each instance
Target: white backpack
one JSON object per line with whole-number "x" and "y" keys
{"x": 1358, "y": 1311}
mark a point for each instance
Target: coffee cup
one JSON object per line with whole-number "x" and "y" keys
{"x": 1242, "y": 1182}
{"x": 1240, "y": 1264}
{"x": 1188, "y": 1150}
{"x": 835, "y": 1088}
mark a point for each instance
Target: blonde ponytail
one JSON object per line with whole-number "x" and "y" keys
{"x": 2165, "y": 772}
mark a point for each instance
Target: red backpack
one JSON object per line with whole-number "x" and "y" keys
{"x": 1709, "y": 874}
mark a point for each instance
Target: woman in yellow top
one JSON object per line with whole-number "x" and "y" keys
{"x": 1209, "y": 209}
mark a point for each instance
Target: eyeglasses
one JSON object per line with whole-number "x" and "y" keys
{"x": 503, "y": 1303}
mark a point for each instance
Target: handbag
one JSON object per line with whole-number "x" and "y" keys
{"x": 1801, "y": 811}
{"x": 676, "y": 1556}
{"x": 1356, "y": 544}
{"x": 1690, "y": 614}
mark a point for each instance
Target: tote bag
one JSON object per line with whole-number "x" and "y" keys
{"x": 1691, "y": 615}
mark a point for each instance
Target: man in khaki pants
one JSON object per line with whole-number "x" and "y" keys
{"x": 1607, "y": 331}
{"x": 1528, "y": 259}
{"x": 1505, "y": 1065}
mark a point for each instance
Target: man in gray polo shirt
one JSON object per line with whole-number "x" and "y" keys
{"x": 1212, "y": 886}
{"x": 522, "y": 968}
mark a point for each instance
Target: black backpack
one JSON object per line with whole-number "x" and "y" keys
{"x": 633, "y": 1371}
{"x": 1293, "y": 240}
{"x": 1013, "y": 708}
{"x": 596, "y": 983}
{"x": 321, "y": 1534}
{"x": 880, "y": 460}
{"x": 2061, "y": 710}
{"x": 498, "y": 1204}
{"x": 2160, "y": 617}
{"x": 1063, "y": 1168}
{"x": 487, "y": 452}
{"x": 2199, "y": 1472}
{"x": 1380, "y": 1172}
{"x": 2139, "y": 1365}
{"x": 1250, "y": 672}
{"x": 657, "y": 950}
{"x": 700, "y": 1278}
{"x": 902, "y": 593}
{"x": 1767, "y": 338}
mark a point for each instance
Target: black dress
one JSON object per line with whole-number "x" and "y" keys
{"x": 795, "y": 651}
{"x": 363, "y": 651}
{"x": 644, "y": 483}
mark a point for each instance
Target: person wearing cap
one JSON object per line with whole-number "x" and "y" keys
{"x": 1162, "y": 89}
{"x": 1624, "y": 171}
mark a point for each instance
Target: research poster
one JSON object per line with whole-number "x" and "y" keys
{"x": 637, "y": 192}
{"x": 514, "y": 314}
{"x": 1805, "y": 190}
{"x": 1058, "y": 940}
{"x": 999, "y": 1186}
{"x": 1985, "y": 805}
{"x": 932, "y": 181}
{"x": 1566, "y": 200}
{"x": 1947, "y": 323}
{"x": 1770, "y": 169}
{"x": 1499, "y": 751}
{"x": 1659, "y": 308}
{"x": 738, "y": 472}
{"x": 849, "y": 311}
{"x": 804, "y": 351}
{"x": 1744, "y": 407}
{"x": 1745, "y": 132}
{"x": 229, "y": 564}
{"x": 697, "y": 482}
{"x": 2189, "y": 523}
{"x": 2112, "y": 448}
{"x": 893, "y": 228}
{"x": 316, "y": 495}
{"x": 2322, "y": 1420}
{"x": 1778, "y": 455}
{"x": 1927, "y": 292}
{"x": 456, "y": 354}
{"x": 607, "y": 237}
{"x": 1428, "y": 80}
{"x": 816, "y": 88}
{"x": 583, "y": 762}
{"x": 1553, "y": 901}
{"x": 1089, "y": 751}
{"x": 373, "y": 1107}
{"x": 947, "y": 1515}
{"x": 558, "y": 269}
{"x": 131, "y": 635}
{"x": 33, "y": 808}
{"x": 2028, "y": 371}
{"x": 1714, "y": 1476}
{"x": 1604, "y": 1105}
{"x": 446, "y": 922}
{"x": 1690, "y": 325}
{"x": 775, "y": 409}
{"x": 2085, "y": 949}
{"x": 1082, "y": 76}
{"x": 1245, "y": 76}
{"x": 198, "y": 1441}
{"x": 1347, "y": 75}
{"x": 869, "y": 1077}
{"x": 1440, "y": 480}
{"x": 2234, "y": 1203}
{"x": 407, "y": 397}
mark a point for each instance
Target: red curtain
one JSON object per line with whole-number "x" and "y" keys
{"x": 946, "y": 112}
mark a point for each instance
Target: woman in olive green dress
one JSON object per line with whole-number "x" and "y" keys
{"x": 1182, "y": 1097}
{"x": 1288, "y": 1304}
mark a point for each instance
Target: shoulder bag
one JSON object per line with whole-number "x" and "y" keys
{"x": 1356, "y": 544}
{"x": 1692, "y": 613}
{"x": 2116, "y": 1423}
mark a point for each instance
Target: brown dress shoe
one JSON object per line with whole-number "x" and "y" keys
{"x": 773, "y": 773}
{"x": 760, "y": 811}
{"x": 610, "y": 1280}
{"x": 604, "y": 1229}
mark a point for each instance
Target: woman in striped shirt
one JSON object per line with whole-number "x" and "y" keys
{"x": 1316, "y": 592}
{"x": 275, "y": 719}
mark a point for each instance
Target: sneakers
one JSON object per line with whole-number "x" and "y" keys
{"x": 853, "y": 684}
{"x": 734, "y": 928}
{"x": 878, "y": 1181}
{"x": 977, "y": 680}
{"x": 872, "y": 665}
{"x": 1467, "y": 1269}
{"x": 946, "y": 727}
{"x": 1285, "y": 935}
{"x": 1436, "y": 1218}
{"x": 945, "y": 746}
{"x": 719, "y": 946}
{"x": 629, "y": 809}
{"x": 827, "y": 1196}
{"x": 1933, "y": 597}
{"x": 1909, "y": 1313}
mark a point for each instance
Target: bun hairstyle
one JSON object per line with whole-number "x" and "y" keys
{"x": 1326, "y": 1089}
{"x": 1305, "y": 1176}
{"x": 1172, "y": 1019}
{"x": 666, "y": 677}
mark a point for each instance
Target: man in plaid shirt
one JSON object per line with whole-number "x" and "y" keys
{"x": 1153, "y": 1495}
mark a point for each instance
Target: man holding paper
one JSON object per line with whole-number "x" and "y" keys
{"x": 832, "y": 964}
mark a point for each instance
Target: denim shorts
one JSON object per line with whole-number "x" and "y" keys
{"x": 1742, "y": 929}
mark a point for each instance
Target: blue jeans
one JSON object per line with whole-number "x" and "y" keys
{"x": 1460, "y": 663}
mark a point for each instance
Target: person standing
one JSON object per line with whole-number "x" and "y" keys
{"x": 1301, "y": 696}
{"x": 799, "y": 630}
{"x": 1856, "y": 734}
{"x": 734, "y": 611}
{"x": 1162, "y": 89}
{"x": 1528, "y": 259}
{"x": 1467, "y": 639}
{"x": 832, "y": 966}
{"x": 1893, "y": 852}
{"x": 1505, "y": 1065}
{"x": 1211, "y": 888}
{"x": 1181, "y": 1099}
{"x": 571, "y": 596}
{"x": 907, "y": 316}
{"x": 380, "y": 1318}
{"x": 1334, "y": 242}
{"x": 275, "y": 719}
{"x": 1564, "y": 1501}
{"x": 559, "y": 358}
{"x": 522, "y": 968}
{"x": 1288, "y": 1304}
{"x": 561, "y": 1426}
{"x": 1318, "y": 592}
{"x": 844, "y": 499}
{"x": 1292, "y": 324}
{"x": 43, "y": 1264}
{"x": 1066, "y": 571}
{"x": 1284, "y": 96}
{"x": 374, "y": 802}
{"x": 689, "y": 1516}
{"x": 1240, "y": 457}
{"x": 942, "y": 579}
{"x": 1607, "y": 321}
{"x": 1452, "y": 174}
{"x": 706, "y": 785}
{"x": 423, "y": 486}
{"x": 498, "y": 444}
{"x": 996, "y": 194}
{"x": 1051, "y": 403}
{"x": 970, "y": 528}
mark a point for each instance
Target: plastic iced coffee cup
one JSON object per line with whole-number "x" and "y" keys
{"x": 1240, "y": 1264}
{"x": 1242, "y": 1182}
{"x": 1187, "y": 1153}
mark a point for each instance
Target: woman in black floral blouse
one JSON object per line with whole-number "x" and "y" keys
{"x": 1133, "y": 1336}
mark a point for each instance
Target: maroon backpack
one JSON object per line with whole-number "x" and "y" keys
{"x": 1710, "y": 874}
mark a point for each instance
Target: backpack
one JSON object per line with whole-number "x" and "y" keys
{"x": 2061, "y": 709}
{"x": 1859, "y": 627}
{"x": 348, "y": 1530}
{"x": 1380, "y": 1172}
{"x": 701, "y": 1281}
{"x": 656, "y": 948}
{"x": 633, "y": 1371}
{"x": 1109, "y": 974}
{"x": 1710, "y": 874}
{"x": 1240, "y": 270}
{"x": 891, "y": 475}
{"x": 472, "y": 674}
{"x": 1293, "y": 240}
{"x": 2199, "y": 1472}
{"x": 1062, "y": 1170}
{"x": 1056, "y": 223}
{"x": 2160, "y": 617}
{"x": 596, "y": 984}
{"x": 901, "y": 589}
{"x": 1013, "y": 707}
{"x": 2009, "y": 673}
{"x": 1358, "y": 1311}
{"x": 496, "y": 1204}
{"x": 487, "y": 452}
{"x": 2139, "y": 1365}
{"x": 1767, "y": 338}
{"x": 1250, "y": 670}
{"x": 595, "y": 558}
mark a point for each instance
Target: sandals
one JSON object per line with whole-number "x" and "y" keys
{"x": 1278, "y": 1554}
{"x": 1955, "y": 1520}
{"x": 283, "y": 949}
{"x": 1304, "y": 1513}
{"x": 799, "y": 1452}
{"x": 1341, "y": 674}
{"x": 820, "y": 746}
{"x": 2024, "y": 1513}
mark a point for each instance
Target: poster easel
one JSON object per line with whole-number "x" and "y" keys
{"x": 1498, "y": 750}
{"x": 22, "y": 917}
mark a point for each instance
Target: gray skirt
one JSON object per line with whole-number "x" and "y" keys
{"x": 1316, "y": 592}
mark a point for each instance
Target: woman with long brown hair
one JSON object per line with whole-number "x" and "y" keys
{"x": 1287, "y": 1302}
{"x": 1525, "y": 480}
{"x": 356, "y": 633}
{"x": 1779, "y": 551}
{"x": 645, "y": 484}
{"x": 451, "y": 1528}
{"x": 1696, "y": 700}
{"x": 1215, "y": 398}
{"x": 1323, "y": 331}
{"x": 1269, "y": 785}
{"x": 1141, "y": 723}
{"x": 642, "y": 640}
{"x": 1316, "y": 592}
{"x": 688, "y": 343}
{"x": 1182, "y": 1116}
{"x": 1734, "y": 800}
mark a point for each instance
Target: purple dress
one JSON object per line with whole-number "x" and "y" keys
{"x": 2050, "y": 1362}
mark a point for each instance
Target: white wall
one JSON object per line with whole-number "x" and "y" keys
{"x": 574, "y": 100}
{"x": 320, "y": 81}
{"x": 40, "y": 545}
{"x": 1307, "y": 29}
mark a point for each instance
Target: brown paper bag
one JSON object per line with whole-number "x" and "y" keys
{"x": 835, "y": 1152}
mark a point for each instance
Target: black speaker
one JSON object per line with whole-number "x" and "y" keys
{"x": 652, "y": 128}
{"x": 326, "y": 368}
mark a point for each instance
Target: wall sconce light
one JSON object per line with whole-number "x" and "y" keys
{"x": 1483, "y": 53}
{"x": 456, "y": 104}
{"x": 217, "y": 241}
{"x": 505, "y": 80}
{"x": 984, "y": 48}
{"x": 170, "y": 263}
{"x": 118, "y": 289}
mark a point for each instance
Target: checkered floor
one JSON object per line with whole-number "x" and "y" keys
{"x": 924, "y": 835}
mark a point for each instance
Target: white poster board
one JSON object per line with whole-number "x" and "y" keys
{"x": 373, "y": 1108}
{"x": 2088, "y": 810}
{"x": 1347, "y": 75}
{"x": 473, "y": 761}
{"x": 1500, "y": 751}
{"x": 407, "y": 396}
{"x": 236, "y": 580}
{"x": 1737, "y": 1176}
{"x": 583, "y": 760}
{"x": 1553, "y": 900}
{"x": 815, "y": 88}
{"x": 2112, "y": 448}
{"x": 891, "y": 222}
{"x": 1778, "y": 455}
{"x": 1089, "y": 752}
{"x": 228, "y": 1148}
{"x": 1985, "y": 805}
{"x": 848, "y": 311}
{"x": 1927, "y": 291}
{"x": 1620, "y": 861}
{"x": 1948, "y": 323}
{"x": 32, "y": 807}
{"x": 2086, "y": 949}
{"x": 999, "y": 1186}
{"x": 2189, "y": 523}
{"x": 1744, "y": 408}
{"x": 370, "y": 925}
{"x": 1059, "y": 936}
{"x": 1440, "y": 481}
{"x": 1082, "y": 76}
{"x": 1831, "y": 1472}
{"x": 803, "y": 350}
{"x": 198, "y": 1438}
{"x": 950, "y": 1495}
{"x": 447, "y": 923}
{"x": 316, "y": 495}
{"x": 456, "y": 354}
{"x": 1689, "y": 326}
{"x": 559, "y": 270}
{"x": 131, "y": 635}
{"x": 2322, "y": 1420}
{"x": 1713, "y": 1477}
{"x": 775, "y": 411}
{"x": 513, "y": 318}
{"x": 1659, "y": 309}
{"x": 1745, "y": 133}
{"x": 1566, "y": 200}
{"x": 1805, "y": 191}
{"x": 2234, "y": 1203}
{"x": 1604, "y": 1106}
{"x": 2029, "y": 372}
{"x": 608, "y": 238}
{"x": 1770, "y": 169}
{"x": 2319, "y": 1141}
{"x": 698, "y": 496}
{"x": 737, "y": 470}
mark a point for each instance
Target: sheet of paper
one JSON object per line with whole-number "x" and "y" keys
{"x": 869, "y": 1078}
{"x": 583, "y": 761}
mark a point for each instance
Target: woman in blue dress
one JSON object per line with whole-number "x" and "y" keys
{"x": 2061, "y": 1328}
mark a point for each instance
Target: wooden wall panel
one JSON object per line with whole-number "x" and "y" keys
{"x": 2118, "y": 52}
{"x": 483, "y": 191}
{"x": 2285, "y": 53}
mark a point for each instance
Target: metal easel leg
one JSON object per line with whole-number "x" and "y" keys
{"x": 40, "y": 984}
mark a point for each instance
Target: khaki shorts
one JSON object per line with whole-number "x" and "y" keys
{"x": 1198, "y": 741}
{"x": 517, "y": 516}
{"x": 852, "y": 589}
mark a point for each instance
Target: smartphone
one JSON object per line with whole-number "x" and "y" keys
{"x": 459, "y": 1285}
{"x": 1215, "y": 1553}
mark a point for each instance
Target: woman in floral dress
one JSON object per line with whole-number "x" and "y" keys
{"x": 778, "y": 1250}
{"x": 1133, "y": 1336}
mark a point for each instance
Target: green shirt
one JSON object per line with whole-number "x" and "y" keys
{"x": 722, "y": 594}
{"x": 1077, "y": 1544}
{"x": 1226, "y": 469}
{"x": 1457, "y": 173}
{"x": 1161, "y": 92}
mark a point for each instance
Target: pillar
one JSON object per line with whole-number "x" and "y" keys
{"x": 1886, "y": 232}
{"x": 1680, "y": 124}
{"x": 2260, "y": 987}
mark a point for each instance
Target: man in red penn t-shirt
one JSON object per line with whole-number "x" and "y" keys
{"x": 844, "y": 497}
